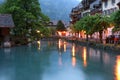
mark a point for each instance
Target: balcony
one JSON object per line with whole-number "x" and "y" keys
{"x": 94, "y": 11}
{"x": 96, "y": 6}
{"x": 104, "y": 0}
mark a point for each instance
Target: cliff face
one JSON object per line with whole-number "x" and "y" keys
{"x": 58, "y": 9}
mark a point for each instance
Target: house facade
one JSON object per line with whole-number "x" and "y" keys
{"x": 6, "y": 23}
{"x": 109, "y": 6}
{"x": 104, "y": 7}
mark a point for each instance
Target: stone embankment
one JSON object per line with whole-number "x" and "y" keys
{"x": 96, "y": 45}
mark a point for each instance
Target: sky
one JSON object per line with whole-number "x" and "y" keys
{"x": 58, "y": 9}
{"x": 64, "y": 9}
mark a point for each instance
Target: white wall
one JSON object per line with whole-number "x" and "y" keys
{"x": 110, "y": 5}
{"x": 86, "y": 11}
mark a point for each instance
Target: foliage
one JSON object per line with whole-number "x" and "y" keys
{"x": 116, "y": 20}
{"x": 91, "y": 24}
{"x": 60, "y": 26}
{"x": 101, "y": 22}
{"x": 26, "y": 14}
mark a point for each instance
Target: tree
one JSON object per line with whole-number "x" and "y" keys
{"x": 26, "y": 14}
{"x": 91, "y": 24}
{"x": 60, "y": 26}
{"x": 86, "y": 24}
{"x": 101, "y": 23}
{"x": 116, "y": 20}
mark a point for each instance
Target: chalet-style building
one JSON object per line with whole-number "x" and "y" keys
{"x": 96, "y": 7}
{"x": 6, "y": 23}
{"x": 109, "y": 6}
{"x": 91, "y": 7}
{"x": 76, "y": 13}
{"x": 86, "y": 6}
{"x": 118, "y": 4}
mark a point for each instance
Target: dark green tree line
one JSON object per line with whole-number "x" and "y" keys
{"x": 60, "y": 26}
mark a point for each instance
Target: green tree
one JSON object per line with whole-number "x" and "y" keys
{"x": 101, "y": 23}
{"x": 26, "y": 14}
{"x": 116, "y": 20}
{"x": 86, "y": 24}
{"x": 60, "y": 26}
{"x": 91, "y": 24}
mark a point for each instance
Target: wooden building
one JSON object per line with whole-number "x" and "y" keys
{"x": 6, "y": 23}
{"x": 118, "y": 4}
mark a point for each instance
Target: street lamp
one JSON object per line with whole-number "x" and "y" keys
{"x": 37, "y": 31}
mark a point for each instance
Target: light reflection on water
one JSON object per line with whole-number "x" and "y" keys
{"x": 73, "y": 61}
{"x": 84, "y": 56}
{"x": 58, "y": 60}
{"x": 73, "y": 50}
{"x": 117, "y": 68}
{"x": 38, "y": 42}
{"x": 64, "y": 46}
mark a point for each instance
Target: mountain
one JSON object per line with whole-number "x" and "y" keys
{"x": 58, "y": 9}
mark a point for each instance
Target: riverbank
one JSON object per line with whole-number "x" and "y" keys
{"x": 96, "y": 45}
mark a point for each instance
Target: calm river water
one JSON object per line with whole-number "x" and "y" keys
{"x": 58, "y": 60}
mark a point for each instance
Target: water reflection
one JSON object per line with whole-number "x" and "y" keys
{"x": 59, "y": 43}
{"x": 60, "y": 60}
{"x": 94, "y": 54}
{"x": 73, "y": 50}
{"x": 84, "y": 56}
{"x": 38, "y": 42}
{"x": 73, "y": 61}
{"x": 64, "y": 46}
{"x": 106, "y": 58}
{"x": 7, "y": 50}
{"x": 91, "y": 64}
{"x": 117, "y": 68}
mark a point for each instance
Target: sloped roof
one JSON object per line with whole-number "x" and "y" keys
{"x": 118, "y": 3}
{"x": 6, "y": 21}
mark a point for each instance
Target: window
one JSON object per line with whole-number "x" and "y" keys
{"x": 106, "y": 3}
{"x": 113, "y": 2}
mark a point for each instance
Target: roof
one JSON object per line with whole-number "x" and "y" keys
{"x": 118, "y": 3}
{"x": 6, "y": 21}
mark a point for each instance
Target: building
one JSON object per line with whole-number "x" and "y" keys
{"x": 91, "y": 7}
{"x": 118, "y": 4}
{"x": 76, "y": 13}
{"x": 86, "y": 7}
{"x": 109, "y": 6}
{"x": 96, "y": 7}
{"x": 6, "y": 23}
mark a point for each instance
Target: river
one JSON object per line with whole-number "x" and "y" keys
{"x": 58, "y": 60}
